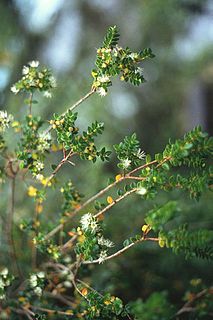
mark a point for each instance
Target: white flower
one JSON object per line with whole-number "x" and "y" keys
{"x": 2, "y": 296}
{"x": 53, "y": 82}
{"x": 140, "y": 154}
{"x": 105, "y": 242}
{"x": 102, "y": 92}
{"x": 142, "y": 191}
{"x": 103, "y": 78}
{"x": 140, "y": 70}
{"x": 44, "y": 142}
{"x": 126, "y": 163}
{"x": 94, "y": 227}
{"x": 86, "y": 220}
{"x": 102, "y": 257}
{"x": 39, "y": 165}
{"x": 5, "y": 120}
{"x": 34, "y": 64}
{"x": 39, "y": 177}
{"x": 41, "y": 274}
{"x": 38, "y": 291}
{"x": 33, "y": 280}
{"x": 47, "y": 94}
{"x": 4, "y": 272}
{"x": 67, "y": 284}
{"x": 133, "y": 55}
{"x": 14, "y": 89}
{"x": 25, "y": 70}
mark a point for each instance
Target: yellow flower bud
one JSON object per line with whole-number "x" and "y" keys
{"x": 110, "y": 200}
{"x": 32, "y": 191}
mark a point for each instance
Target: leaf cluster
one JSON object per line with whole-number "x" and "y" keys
{"x": 82, "y": 144}
{"x": 114, "y": 60}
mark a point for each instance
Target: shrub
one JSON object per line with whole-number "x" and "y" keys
{"x": 62, "y": 251}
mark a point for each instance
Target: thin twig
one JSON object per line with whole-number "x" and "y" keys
{"x": 30, "y": 103}
{"x": 101, "y": 193}
{"x": 75, "y": 105}
{"x": 61, "y": 163}
{"x": 119, "y": 252}
{"x": 50, "y": 311}
{"x": 115, "y": 202}
{"x": 9, "y": 226}
{"x": 79, "y": 291}
{"x": 187, "y": 306}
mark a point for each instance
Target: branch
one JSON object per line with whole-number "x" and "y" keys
{"x": 62, "y": 162}
{"x": 9, "y": 228}
{"x": 102, "y": 192}
{"x": 115, "y": 202}
{"x": 50, "y": 311}
{"x": 75, "y": 105}
{"x": 187, "y": 306}
{"x": 119, "y": 252}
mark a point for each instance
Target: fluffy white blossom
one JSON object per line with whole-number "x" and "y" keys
{"x": 34, "y": 64}
{"x": 67, "y": 284}
{"x": 4, "y": 272}
{"x": 38, "y": 291}
{"x": 126, "y": 163}
{"x": 25, "y": 70}
{"x": 39, "y": 165}
{"x": 105, "y": 242}
{"x": 14, "y": 89}
{"x": 43, "y": 142}
{"x": 47, "y": 94}
{"x": 53, "y": 82}
{"x": 39, "y": 176}
{"x": 88, "y": 222}
{"x": 33, "y": 280}
{"x": 102, "y": 92}
{"x": 41, "y": 275}
{"x": 102, "y": 257}
{"x": 5, "y": 120}
{"x": 140, "y": 154}
{"x": 103, "y": 79}
{"x": 94, "y": 227}
{"x": 2, "y": 296}
{"x": 142, "y": 191}
{"x": 133, "y": 55}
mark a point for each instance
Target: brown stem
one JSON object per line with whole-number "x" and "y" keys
{"x": 62, "y": 162}
{"x": 114, "y": 202}
{"x": 119, "y": 252}
{"x": 102, "y": 192}
{"x": 187, "y": 307}
{"x": 9, "y": 229}
{"x": 49, "y": 311}
{"x": 75, "y": 105}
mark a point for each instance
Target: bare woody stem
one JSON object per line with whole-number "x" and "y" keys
{"x": 61, "y": 163}
{"x": 187, "y": 307}
{"x": 9, "y": 227}
{"x": 50, "y": 311}
{"x": 75, "y": 105}
{"x": 119, "y": 252}
{"x": 115, "y": 202}
{"x": 30, "y": 103}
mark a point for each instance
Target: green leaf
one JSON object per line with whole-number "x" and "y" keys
{"x": 111, "y": 38}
